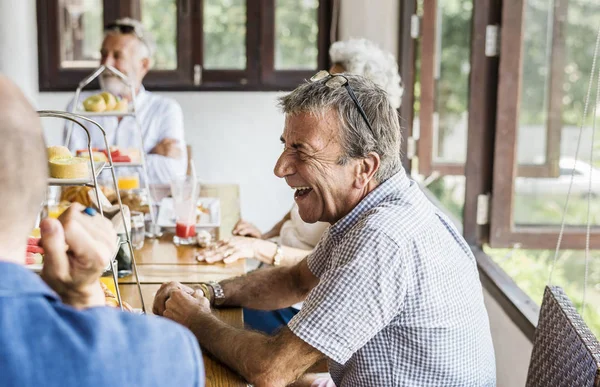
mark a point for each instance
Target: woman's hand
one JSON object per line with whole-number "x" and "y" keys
{"x": 243, "y": 228}
{"x": 231, "y": 250}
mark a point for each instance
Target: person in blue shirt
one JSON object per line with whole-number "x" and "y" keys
{"x": 55, "y": 329}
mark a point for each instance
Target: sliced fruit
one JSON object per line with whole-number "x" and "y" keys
{"x": 35, "y": 249}
{"x": 33, "y": 241}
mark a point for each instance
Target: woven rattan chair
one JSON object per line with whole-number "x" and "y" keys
{"x": 565, "y": 351}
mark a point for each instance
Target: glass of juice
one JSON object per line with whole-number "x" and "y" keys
{"x": 185, "y": 194}
{"x": 129, "y": 181}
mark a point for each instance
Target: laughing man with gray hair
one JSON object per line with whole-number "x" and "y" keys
{"x": 392, "y": 291}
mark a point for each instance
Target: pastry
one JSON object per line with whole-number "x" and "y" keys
{"x": 97, "y": 156}
{"x": 109, "y": 100}
{"x": 58, "y": 152}
{"x": 77, "y": 194}
{"x": 69, "y": 168}
{"x": 111, "y": 299}
{"x": 94, "y": 103}
{"x": 122, "y": 105}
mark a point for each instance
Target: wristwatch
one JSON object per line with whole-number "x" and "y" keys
{"x": 219, "y": 295}
{"x": 278, "y": 255}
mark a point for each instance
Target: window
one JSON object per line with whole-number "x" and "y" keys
{"x": 523, "y": 110}
{"x": 201, "y": 44}
{"x": 444, "y": 85}
{"x": 551, "y": 60}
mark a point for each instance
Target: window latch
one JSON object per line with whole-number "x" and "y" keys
{"x": 415, "y": 26}
{"x": 483, "y": 209}
{"x": 197, "y": 75}
{"x": 411, "y": 148}
{"x": 492, "y": 40}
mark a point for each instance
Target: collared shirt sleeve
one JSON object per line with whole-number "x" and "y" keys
{"x": 162, "y": 168}
{"x": 356, "y": 298}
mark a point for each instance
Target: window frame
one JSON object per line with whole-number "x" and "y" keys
{"x": 407, "y": 47}
{"x": 427, "y": 163}
{"x": 259, "y": 74}
{"x": 503, "y": 233}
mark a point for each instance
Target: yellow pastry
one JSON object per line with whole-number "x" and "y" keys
{"x": 71, "y": 168}
{"x": 58, "y": 152}
{"x": 94, "y": 103}
{"x": 109, "y": 100}
{"x": 122, "y": 105}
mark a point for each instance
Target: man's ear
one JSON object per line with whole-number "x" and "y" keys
{"x": 366, "y": 169}
{"x": 145, "y": 65}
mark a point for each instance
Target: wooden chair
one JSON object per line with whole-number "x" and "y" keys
{"x": 565, "y": 351}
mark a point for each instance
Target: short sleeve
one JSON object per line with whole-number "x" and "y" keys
{"x": 317, "y": 260}
{"x": 356, "y": 298}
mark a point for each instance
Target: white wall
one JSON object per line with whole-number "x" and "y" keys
{"x": 512, "y": 348}
{"x": 18, "y": 45}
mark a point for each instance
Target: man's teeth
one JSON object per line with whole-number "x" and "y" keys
{"x": 300, "y": 189}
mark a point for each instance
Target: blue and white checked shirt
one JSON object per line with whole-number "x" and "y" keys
{"x": 399, "y": 302}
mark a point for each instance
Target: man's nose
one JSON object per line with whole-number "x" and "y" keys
{"x": 108, "y": 60}
{"x": 284, "y": 166}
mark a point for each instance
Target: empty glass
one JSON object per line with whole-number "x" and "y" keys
{"x": 138, "y": 232}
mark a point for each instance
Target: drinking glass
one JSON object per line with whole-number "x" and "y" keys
{"x": 138, "y": 231}
{"x": 185, "y": 191}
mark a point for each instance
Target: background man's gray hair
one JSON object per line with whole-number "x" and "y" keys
{"x": 363, "y": 57}
{"x": 147, "y": 46}
{"x": 356, "y": 137}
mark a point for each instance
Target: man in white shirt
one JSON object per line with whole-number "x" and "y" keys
{"x": 128, "y": 47}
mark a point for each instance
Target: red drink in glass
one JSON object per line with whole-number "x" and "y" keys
{"x": 185, "y": 230}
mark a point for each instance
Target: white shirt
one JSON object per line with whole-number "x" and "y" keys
{"x": 159, "y": 118}
{"x": 299, "y": 234}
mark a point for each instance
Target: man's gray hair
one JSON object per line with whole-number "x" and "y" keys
{"x": 147, "y": 46}
{"x": 356, "y": 138}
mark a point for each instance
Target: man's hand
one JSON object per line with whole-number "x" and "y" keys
{"x": 183, "y": 307}
{"x": 74, "y": 273}
{"x": 164, "y": 293}
{"x": 168, "y": 147}
{"x": 243, "y": 228}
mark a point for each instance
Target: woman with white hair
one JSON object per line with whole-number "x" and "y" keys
{"x": 291, "y": 239}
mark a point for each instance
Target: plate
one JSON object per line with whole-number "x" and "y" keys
{"x": 35, "y": 267}
{"x": 99, "y": 165}
{"x": 166, "y": 214}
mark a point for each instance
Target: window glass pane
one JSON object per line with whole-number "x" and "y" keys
{"x": 80, "y": 32}
{"x": 453, "y": 47}
{"x": 530, "y": 269}
{"x": 296, "y": 33}
{"x": 160, "y": 18}
{"x": 540, "y": 200}
{"x": 450, "y": 191}
{"x": 224, "y": 34}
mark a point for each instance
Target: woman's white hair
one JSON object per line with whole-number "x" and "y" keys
{"x": 363, "y": 57}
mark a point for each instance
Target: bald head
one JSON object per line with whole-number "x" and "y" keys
{"x": 23, "y": 163}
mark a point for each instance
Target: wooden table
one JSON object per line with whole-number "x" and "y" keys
{"x": 160, "y": 261}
